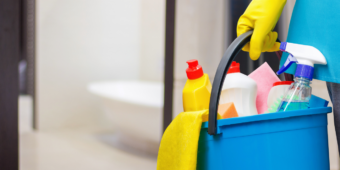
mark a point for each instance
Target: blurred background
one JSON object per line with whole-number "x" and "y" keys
{"x": 92, "y": 76}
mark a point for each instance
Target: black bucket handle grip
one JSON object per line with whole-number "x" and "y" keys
{"x": 221, "y": 71}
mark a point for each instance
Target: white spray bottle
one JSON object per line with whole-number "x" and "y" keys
{"x": 299, "y": 93}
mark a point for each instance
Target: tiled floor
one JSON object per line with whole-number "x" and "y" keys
{"x": 74, "y": 149}
{"x": 77, "y": 149}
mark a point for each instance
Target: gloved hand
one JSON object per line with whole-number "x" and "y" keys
{"x": 261, "y": 16}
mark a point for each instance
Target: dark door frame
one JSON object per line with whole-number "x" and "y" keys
{"x": 170, "y": 12}
{"x": 10, "y": 27}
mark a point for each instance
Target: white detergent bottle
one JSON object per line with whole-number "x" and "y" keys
{"x": 299, "y": 93}
{"x": 239, "y": 89}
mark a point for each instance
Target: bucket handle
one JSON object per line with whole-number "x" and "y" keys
{"x": 223, "y": 67}
{"x": 221, "y": 71}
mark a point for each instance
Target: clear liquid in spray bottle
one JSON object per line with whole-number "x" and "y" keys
{"x": 298, "y": 95}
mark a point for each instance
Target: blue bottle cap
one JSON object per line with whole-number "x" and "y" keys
{"x": 305, "y": 71}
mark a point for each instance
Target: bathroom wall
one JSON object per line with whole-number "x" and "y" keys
{"x": 78, "y": 42}
{"x": 152, "y": 37}
{"x": 199, "y": 35}
{"x": 285, "y": 19}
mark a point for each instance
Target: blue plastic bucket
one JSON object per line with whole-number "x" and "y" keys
{"x": 294, "y": 140}
{"x": 276, "y": 141}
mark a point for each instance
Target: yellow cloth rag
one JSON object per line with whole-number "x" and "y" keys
{"x": 179, "y": 144}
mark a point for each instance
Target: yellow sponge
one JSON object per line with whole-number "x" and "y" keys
{"x": 227, "y": 110}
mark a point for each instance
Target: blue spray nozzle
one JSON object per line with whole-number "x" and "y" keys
{"x": 290, "y": 60}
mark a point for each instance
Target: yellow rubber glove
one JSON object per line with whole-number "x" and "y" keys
{"x": 261, "y": 16}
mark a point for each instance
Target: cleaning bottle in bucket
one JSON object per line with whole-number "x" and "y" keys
{"x": 196, "y": 92}
{"x": 276, "y": 94}
{"x": 299, "y": 93}
{"x": 240, "y": 90}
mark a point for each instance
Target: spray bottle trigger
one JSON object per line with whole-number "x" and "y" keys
{"x": 290, "y": 60}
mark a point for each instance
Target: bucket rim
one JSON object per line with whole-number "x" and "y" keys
{"x": 270, "y": 116}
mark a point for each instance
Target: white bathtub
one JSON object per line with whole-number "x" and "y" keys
{"x": 135, "y": 110}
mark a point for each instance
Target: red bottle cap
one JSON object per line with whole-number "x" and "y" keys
{"x": 283, "y": 83}
{"x": 194, "y": 71}
{"x": 234, "y": 68}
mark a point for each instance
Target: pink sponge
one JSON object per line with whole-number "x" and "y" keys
{"x": 265, "y": 77}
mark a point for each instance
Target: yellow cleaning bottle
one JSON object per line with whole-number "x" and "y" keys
{"x": 179, "y": 146}
{"x": 196, "y": 92}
